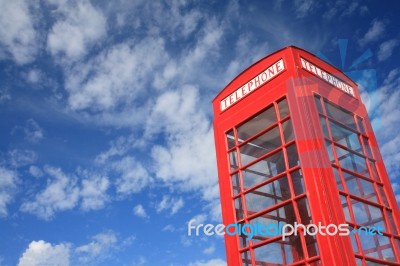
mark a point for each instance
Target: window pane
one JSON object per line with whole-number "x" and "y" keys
{"x": 263, "y": 170}
{"x": 383, "y": 195}
{"x": 283, "y": 108}
{"x": 318, "y": 103}
{"x": 246, "y": 258}
{"x": 233, "y": 160}
{"x": 367, "y": 148}
{"x": 345, "y": 137}
{"x": 391, "y": 224}
{"x": 345, "y": 207}
{"x": 352, "y": 161}
{"x": 256, "y": 124}
{"x": 267, "y": 195}
{"x": 324, "y": 127}
{"x": 292, "y": 155}
{"x": 329, "y": 149}
{"x": 374, "y": 171}
{"x": 279, "y": 252}
{"x": 367, "y": 215}
{"x": 235, "y": 184}
{"x": 239, "y": 208}
{"x": 304, "y": 211}
{"x": 230, "y": 139}
{"x": 337, "y": 178}
{"x": 360, "y": 187}
{"x": 376, "y": 246}
{"x": 312, "y": 247}
{"x": 340, "y": 115}
{"x": 298, "y": 182}
{"x": 353, "y": 240}
{"x": 260, "y": 146}
{"x": 360, "y": 124}
{"x": 288, "y": 131}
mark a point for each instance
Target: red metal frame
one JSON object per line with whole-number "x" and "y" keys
{"x": 300, "y": 87}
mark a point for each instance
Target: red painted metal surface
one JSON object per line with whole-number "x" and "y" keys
{"x": 294, "y": 144}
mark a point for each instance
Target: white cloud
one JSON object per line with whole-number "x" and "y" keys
{"x": 386, "y": 49}
{"x": 209, "y": 250}
{"x": 18, "y": 36}
{"x": 304, "y": 7}
{"x": 20, "y": 158}
{"x": 60, "y": 194}
{"x": 212, "y": 262}
{"x": 33, "y": 132}
{"x": 79, "y": 27}
{"x": 133, "y": 177}
{"x": 98, "y": 249}
{"x": 119, "y": 147}
{"x": 35, "y": 171}
{"x": 115, "y": 77}
{"x": 4, "y": 95}
{"x": 43, "y": 253}
{"x": 171, "y": 204}
{"x": 374, "y": 32}
{"x": 169, "y": 228}
{"x": 93, "y": 191}
{"x": 139, "y": 211}
{"x": 8, "y": 185}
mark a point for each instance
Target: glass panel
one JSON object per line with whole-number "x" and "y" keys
{"x": 256, "y": 124}
{"x": 329, "y": 149}
{"x": 263, "y": 170}
{"x": 345, "y": 137}
{"x": 283, "y": 215}
{"x": 279, "y": 252}
{"x": 376, "y": 246}
{"x": 367, "y": 215}
{"x": 304, "y": 211}
{"x": 312, "y": 246}
{"x": 337, "y": 178}
{"x": 288, "y": 130}
{"x": 367, "y": 148}
{"x": 374, "y": 171}
{"x": 345, "y": 207}
{"x": 352, "y": 161}
{"x": 318, "y": 104}
{"x": 230, "y": 139}
{"x": 293, "y": 157}
{"x": 390, "y": 222}
{"x": 235, "y": 184}
{"x": 360, "y": 124}
{"x": 360, "y": 187}
{"x": 324, "y": 127}
{"x": 383, "y": 195}
{"x": 353, "y": 240}
{"x": 373, "y": 263}
{"x": 233, "y": 160}
{"x": 267, "y": 195}
{"x": 283, "y": 108}
{"x": 359, "y": 262}
{"x": 315, "y": 263}
{"x": 239, "y": 208}
{"x": 298, "y": 182}
{"x": 340, "y": 115}
{"x": 246, "y": 258}
{"x": 261, "y": 145}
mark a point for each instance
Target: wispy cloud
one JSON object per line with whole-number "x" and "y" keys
{"x": 170, "y": 204}
{"x": 8, "y": 186}
{"x": 139, "y": 211}
{"x": 386, "y": 49}
{"x": 374, "y": 32}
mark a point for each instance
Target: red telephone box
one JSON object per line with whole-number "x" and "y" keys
{"x": 294, "y": 144}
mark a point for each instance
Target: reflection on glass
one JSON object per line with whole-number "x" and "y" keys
{"x": 267, "y": 195}
{"x": 339, "y": 114}
{"x": 283, "y": 108}
{"x": 318, "y": 104}
{"x": 377, "y": 246}
{"x": 345, "y": 137}
{"x": 345, "y": 208}
{"x": 337, "y": 178}
{"x": 324, "y": 127}
{"x": 391, "y": 224}
{"x": 383, "y": 195}
{"x": 292, "y": 155}
{"x": 246, "y": 258}
{"x": 261, "y": 145}
{"x": 360, "y": 187}
{"x": 279, "y": 252}
{"x": 298, "y": 182}
{"x": 230, "y": 139}
{"x": 329, "y": 149}
{"x": 368, "y": 151}
{"x": 312, "y": 247}
{"x": 304, "y": 211}
{"x": 352, "y": 161}
{"x": 353, "y": 241}
{"x": 233, "y": 160}
{"x": 288, "y": 132}
{"x": 256, "y": 124}
{"x": 360, "y": 124}
{"x": 235, "y": 184}
{"x": 367, "y": 215}
{"x": 239, "y": 208}
{"x": 374, "y": 171}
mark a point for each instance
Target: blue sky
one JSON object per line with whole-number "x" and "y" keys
{"x": 106, "y": 148}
